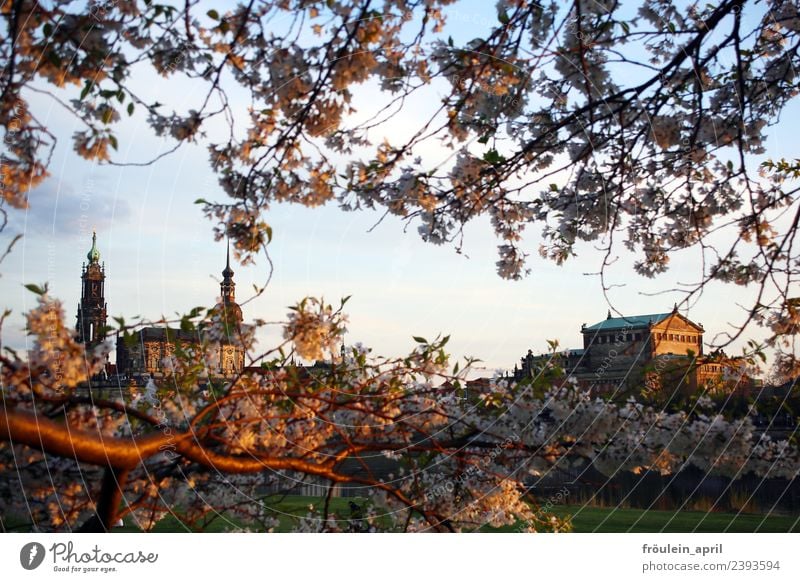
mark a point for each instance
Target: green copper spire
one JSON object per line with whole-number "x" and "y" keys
{"x": 93, "y": 255}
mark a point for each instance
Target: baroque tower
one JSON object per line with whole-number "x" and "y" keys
{"x": 91, "y": 324}
{"x": 231, "y": 354}
{"x": 227, "y": 307}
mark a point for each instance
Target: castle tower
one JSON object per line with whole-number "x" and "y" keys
{"x": 92, "y": 308}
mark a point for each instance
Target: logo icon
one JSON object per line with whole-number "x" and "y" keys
{"x": 31, "y": 555}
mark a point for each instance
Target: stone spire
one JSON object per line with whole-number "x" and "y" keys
{"x": 228, "y": 287}
{"x": 227, "y": 306}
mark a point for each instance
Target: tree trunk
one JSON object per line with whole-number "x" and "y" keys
{"x": 108, "y": 502}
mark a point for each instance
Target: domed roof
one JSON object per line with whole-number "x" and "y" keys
{"x": 94, "y": 254}
{"x": 230, "y": 311}
{"x": 230, "y": 315}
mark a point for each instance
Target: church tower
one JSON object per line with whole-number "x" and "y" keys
{"x": 231, "y": 353}
{"x": 91, "y": 322}
{"x": 227, "y": 307}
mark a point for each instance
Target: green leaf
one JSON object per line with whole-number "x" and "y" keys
{"x": 201, "y": 201}
{"x": 36, "y": 288}
{"x": 419, "y": 340}
{"x": 87, "y": 86}
{"x": 503, "y": 17}
{"x": 213, "y": 14}
{"x": 113, "y": 141}
{"x": 130, "y": 108}
{"x": 268, "y": 230}
{"x": 493, "y": 157}
{"x": 53, "y": 57}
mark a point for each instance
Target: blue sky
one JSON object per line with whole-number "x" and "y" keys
{"x": 161, "y": 258}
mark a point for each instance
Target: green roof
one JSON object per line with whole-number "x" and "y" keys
{"x": 94, "y": 254}
{"x": 633, "y": 321}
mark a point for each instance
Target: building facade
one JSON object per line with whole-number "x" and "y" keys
{"x": 146, "y": 352}
{"x": 648, "y": 353}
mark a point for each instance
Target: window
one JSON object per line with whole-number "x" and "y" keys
{"x": 628, "y": 337}
{"x": 671, "y": 337}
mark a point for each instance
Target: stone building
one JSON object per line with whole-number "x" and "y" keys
{"x": 147, "y": 351}
{"x": 92, "y": 309}
{"x": 143, "y": 353}
{"x": 643, "y": 352}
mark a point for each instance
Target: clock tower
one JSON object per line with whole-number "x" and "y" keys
{"x": 92, "y": 308}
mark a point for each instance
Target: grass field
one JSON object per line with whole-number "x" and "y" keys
{"x": 584, "y": 519}
{"x": 600, "y": 519}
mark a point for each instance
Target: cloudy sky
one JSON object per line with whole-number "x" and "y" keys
{"x": 161, "y": 258}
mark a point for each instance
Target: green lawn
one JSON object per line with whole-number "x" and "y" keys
{"x": 584, "y": 519}
{"x": 601, "y": 519}
{"x": 287, "y": 510}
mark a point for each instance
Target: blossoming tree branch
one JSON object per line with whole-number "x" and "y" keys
{"x": 643, "y": 130}
{"x": 585, "y": 121}
{"x": 462, "y": 459}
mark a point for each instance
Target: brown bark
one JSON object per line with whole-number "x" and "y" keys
{"x": 107, "y": 503}
{"x": 92, "y": 447}
{"x": 119, "y": 455}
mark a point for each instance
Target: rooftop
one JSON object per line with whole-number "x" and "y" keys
{"x": 633, "y": 321}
